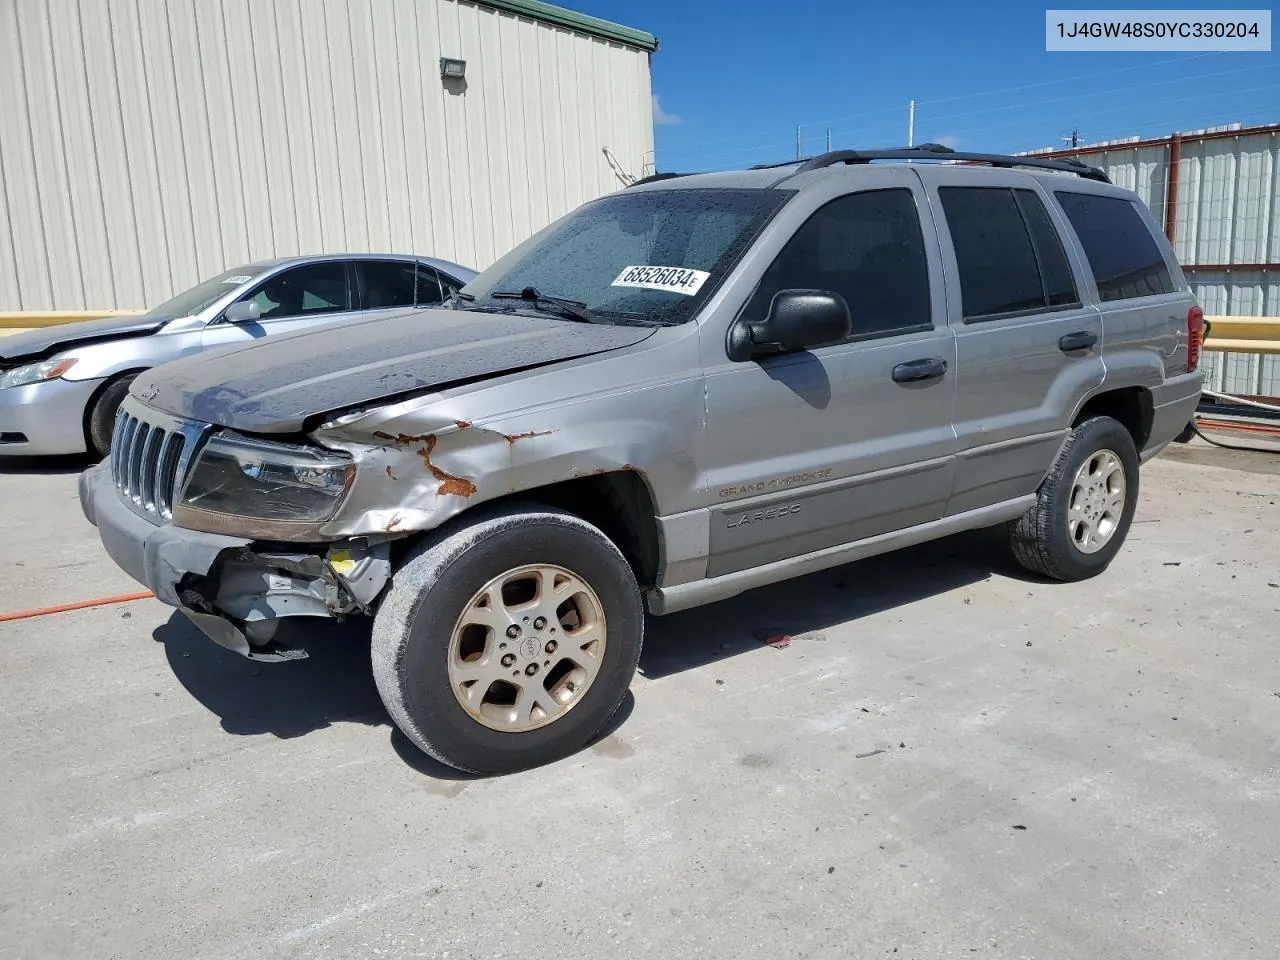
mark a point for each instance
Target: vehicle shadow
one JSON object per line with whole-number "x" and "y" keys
{"x": 47, "y": 466}
{"x": 335, "y": 683}
{"x": 429, "y": 766}
{"x": 705, "y": 635}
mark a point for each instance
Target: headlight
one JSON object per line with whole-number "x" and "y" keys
{"x": 261, "y": 489}
{"x": 35, "y": 372}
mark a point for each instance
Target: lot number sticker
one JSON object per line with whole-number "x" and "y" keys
{"x": 670, "y": 279}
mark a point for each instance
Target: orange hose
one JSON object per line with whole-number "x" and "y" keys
{"x": 1235, "y": 425}
{"x": 79, "y": 605}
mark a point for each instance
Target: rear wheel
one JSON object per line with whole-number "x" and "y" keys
{"x": 102, "y": 414}
{"x": 1084, "y": 506}
{"x": 510, "y": 642}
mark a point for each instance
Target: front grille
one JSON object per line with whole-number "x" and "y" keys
{"x": 149, "y": 459}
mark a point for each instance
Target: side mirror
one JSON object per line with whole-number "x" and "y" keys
{"x": 797, "y": 320}
{"x": 242, "y": 311}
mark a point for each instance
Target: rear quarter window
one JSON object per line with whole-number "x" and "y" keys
{"x": 1125, "y": 258}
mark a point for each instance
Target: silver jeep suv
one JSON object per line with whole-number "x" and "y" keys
{"x": 692, "y": 387}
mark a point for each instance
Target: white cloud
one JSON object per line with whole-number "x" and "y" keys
{"x": 948, "y": 140}
{"x": 660, "y": 116}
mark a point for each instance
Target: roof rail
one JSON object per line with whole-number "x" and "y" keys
{"x": 780, "y": 163}
{"x": 656, "y": 176}
{"x": 936, "y": 151}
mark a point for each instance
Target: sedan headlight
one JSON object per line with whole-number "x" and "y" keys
{"x": 35, "y": 372}
{"x": 261, "y": 489}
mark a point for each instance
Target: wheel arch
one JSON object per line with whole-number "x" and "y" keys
{"x": 619, "y": 503}
{"x": 1133, "y": 407}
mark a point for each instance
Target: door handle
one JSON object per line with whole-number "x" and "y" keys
{"x": 929, "y": 368}
{"x": 1080, "y": 340}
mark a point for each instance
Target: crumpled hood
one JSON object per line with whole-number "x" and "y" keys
{"x": 33, "y": 345}
{"x": 276, "y": 385}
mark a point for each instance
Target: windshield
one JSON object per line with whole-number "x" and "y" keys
{"x": 650, "y": 256}
{"x": 190, "y": 302}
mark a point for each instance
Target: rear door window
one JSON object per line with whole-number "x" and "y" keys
{"x": 1055, "y": 271}
{"x": 387, "y": 283}
{"x": 1124, "y": 256}
{"x": 998, "y": 263}
{"x": 869, "y": 248}
{"x": 431, "y": 286}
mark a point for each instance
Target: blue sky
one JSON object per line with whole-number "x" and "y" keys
{"x": 733, "y": 79}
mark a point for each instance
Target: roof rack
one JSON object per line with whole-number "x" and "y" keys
{"x": 656, "y": 176}
{"x": 925, "y": 151}
{"x": 936, "y": 151}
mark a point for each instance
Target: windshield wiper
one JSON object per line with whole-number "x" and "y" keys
{"x": 561, "y": 307}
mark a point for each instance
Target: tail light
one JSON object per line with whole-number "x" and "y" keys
{"x": 1195, "y": 337}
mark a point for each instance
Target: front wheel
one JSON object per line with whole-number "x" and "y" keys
{"x": 102, "y": 414}
{"x": 510, "y": 642}
{"x": 1084, "y": 506}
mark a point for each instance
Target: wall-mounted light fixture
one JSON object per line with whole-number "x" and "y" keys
{"x": 452, "y": 69}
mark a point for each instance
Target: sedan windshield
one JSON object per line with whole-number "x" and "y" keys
{"x": 652, "y": 256}
{"x": 190, "y": 302}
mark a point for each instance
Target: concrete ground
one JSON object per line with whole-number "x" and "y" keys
{"x": 950, "y": 760}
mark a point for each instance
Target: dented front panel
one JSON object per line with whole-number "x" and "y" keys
{"x": 424, "y": 460}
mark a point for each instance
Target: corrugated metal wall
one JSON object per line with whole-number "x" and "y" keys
{"x": 1228, "y": 212}
{"x": 1144, "y": 170}
{"x": 144, "y": 146}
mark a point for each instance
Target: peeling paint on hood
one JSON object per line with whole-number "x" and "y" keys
{"x": 277, "y": 385}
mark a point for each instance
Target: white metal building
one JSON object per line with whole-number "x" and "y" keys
{"x": 144, "y": 146}
{"x": 1217, "y": 191}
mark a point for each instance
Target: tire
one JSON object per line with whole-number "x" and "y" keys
{"x": 1048, "y": 539}
{"x": 102, "y": 414}
{"x": 419, "y": 644}
{"x": 1187, "y": 433}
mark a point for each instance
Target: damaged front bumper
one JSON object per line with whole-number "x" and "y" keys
{"x": 233, "y": 590}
